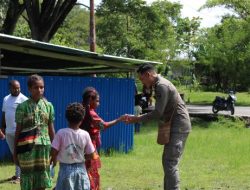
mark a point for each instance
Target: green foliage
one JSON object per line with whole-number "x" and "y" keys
{"x": 200, "y": 97}
{"x": 187, "y": 31}
{"x": 232, "y": 122}
{"x": 223, "y": 51}
{"x": 74, "y": 31}
{"x": 140, "y": 31}
{"x": 22, "y": 29}
{"x": 3, "y": 10}
{"x": 123, "y": 39}
{"x": 207, "y": 97}
{"x": 151, "y": 32}
{"x": 181, "y": 61}
{"x": 181, "y": 71}
{"x": 214, "y": 58}
{"x": 223, "y": 55}
{"x": 43, "y": 17}
{"x": 240, "y": 8}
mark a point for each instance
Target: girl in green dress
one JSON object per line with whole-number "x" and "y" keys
{"x": 34, "y": 117}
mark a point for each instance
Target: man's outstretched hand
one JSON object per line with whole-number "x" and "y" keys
{"x": 130, "y": 118}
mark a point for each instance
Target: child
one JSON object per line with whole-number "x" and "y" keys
{"x": 94, "y": 124}
{"x": 34, "y": 133}
{"x": 70, "y": 147}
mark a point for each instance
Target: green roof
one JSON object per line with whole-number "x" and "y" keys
{"x": 24, "y": 56}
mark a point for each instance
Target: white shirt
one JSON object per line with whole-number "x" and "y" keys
{"x": 72, "y": 145}
{"x": 10, "y": 104}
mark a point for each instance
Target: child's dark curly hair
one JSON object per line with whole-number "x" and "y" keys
{"x": 75, "y": 113}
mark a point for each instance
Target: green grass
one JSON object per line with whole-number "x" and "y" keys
{"x": 206, "y": 98}
{"x": 216, "y": 157}
{"x": 215, "y": 154}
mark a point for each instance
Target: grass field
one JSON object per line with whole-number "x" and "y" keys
{"x": 216, "y": 158}
{"x": 206, "y": 98}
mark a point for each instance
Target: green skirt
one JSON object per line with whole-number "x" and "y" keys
{"x": 35, "y": 170}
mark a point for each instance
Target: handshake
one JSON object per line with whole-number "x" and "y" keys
{"x": 127, "y": 118}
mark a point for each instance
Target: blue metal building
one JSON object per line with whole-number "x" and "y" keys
{"x": 66, "y": 73}
{"x": 116, "y": 98}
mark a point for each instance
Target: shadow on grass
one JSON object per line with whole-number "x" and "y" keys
{"x": 4, "y": 181}
{"x": 202, "y": 123}
{"x": 7, "y": 161}
{"x": 8, "y": 180}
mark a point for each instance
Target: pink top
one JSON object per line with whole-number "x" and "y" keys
{"x": 72, "y": 145}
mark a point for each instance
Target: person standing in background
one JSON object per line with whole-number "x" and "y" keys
{"x": 8, "y": 129}
{"x": 34, "y": 134}
{"x": 148, "y": 92}
{"x": 137, "y": 112}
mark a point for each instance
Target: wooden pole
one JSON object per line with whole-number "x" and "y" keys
{"x": 92, "y": 27}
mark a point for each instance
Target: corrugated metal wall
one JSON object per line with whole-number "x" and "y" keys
{"x": 116, "y": 98}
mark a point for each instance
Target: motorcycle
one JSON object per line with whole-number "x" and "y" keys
{"x": 224, "y": 104}
{"x": 141, "y": 100}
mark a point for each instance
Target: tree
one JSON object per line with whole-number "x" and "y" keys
{"x": 186, "y": 32}
{"x": 44, "y": 17}
{"x": 15, "y": 9}
{"x": 223, "y": 51}
{"x": 117, "y": 31}
{"x": 3, "y": 9}
{"x": 133, "y": 29}
{"x": 240, "y": 8}
{"x": 22, "y": 28}
{"x": 74, "y": 32}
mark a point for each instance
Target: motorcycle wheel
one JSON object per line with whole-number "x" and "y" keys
{"x": 232, "y": 110}
{"x": 214, "y": 109}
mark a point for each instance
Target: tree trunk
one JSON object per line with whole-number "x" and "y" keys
{"x": 13, "y": 13}
{"x": 45, "y": 21}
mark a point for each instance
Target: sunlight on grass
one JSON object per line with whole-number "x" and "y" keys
{"x": 216, "y": 157}
{"x": 206, "y": 98}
